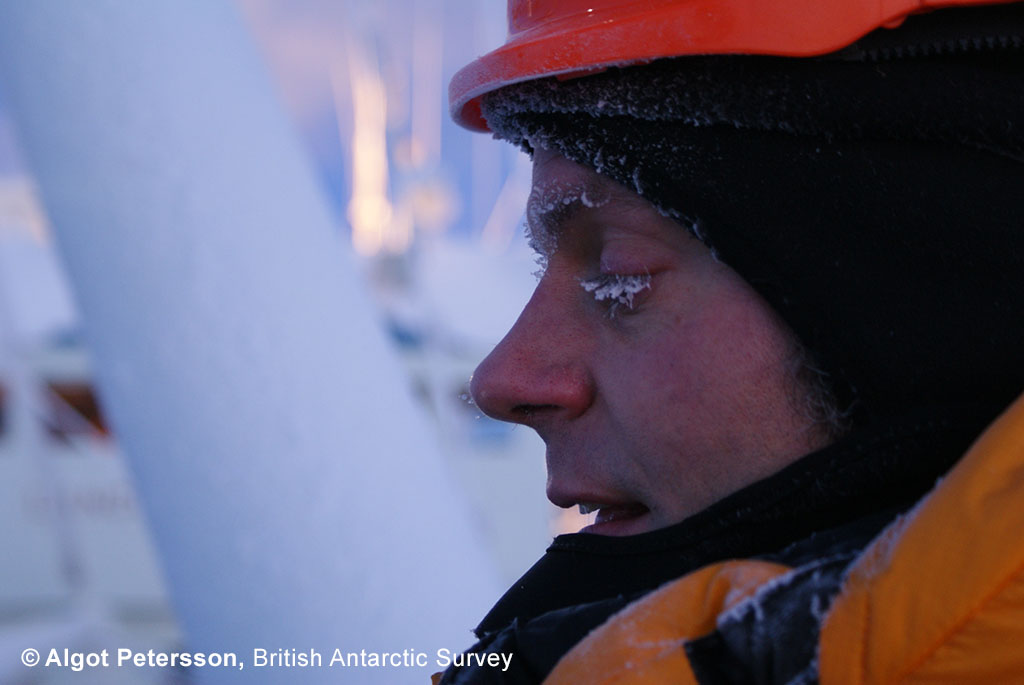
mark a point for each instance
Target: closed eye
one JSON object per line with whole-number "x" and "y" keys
{"x": 617, "y": 290}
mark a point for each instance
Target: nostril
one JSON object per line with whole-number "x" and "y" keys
{"x": 526, "y": 412}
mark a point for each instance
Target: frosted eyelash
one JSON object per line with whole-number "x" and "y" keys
{"x": 619, "y": 289}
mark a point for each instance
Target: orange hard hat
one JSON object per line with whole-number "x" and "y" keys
{"x": 574, "y": 37}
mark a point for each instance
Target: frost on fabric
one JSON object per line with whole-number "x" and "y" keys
{"x": 754, "y": 603}
{"x": 878, "y": 556}
{"x": 774, "y": 633}
{"x": 619, "y": 290}
{"x": 740, "y": 94}
{"x": 629, "y": 627}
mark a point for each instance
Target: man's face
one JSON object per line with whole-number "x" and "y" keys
{"x": 658, "y": 379}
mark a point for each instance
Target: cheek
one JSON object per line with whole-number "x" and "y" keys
{"x": 656, "y": 380}
{"x": 697, "y": 375}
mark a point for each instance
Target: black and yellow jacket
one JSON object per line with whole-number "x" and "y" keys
{"x": 900, "y": 579}
{"x": 937, "y": 597}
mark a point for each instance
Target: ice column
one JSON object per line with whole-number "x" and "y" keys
{"x": 294, "y": 492}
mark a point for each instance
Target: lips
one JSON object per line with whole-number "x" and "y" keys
{"x": 617, "y": 512}
{"x": 617, "y": 519}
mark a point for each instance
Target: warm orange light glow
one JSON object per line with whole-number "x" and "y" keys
{"x": 21, "y": 213}
{"x": 369, "y": 211}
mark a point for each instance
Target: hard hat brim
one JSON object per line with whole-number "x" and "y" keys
{"x": 574, "y": 39}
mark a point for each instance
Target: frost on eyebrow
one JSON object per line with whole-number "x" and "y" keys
{"x": 617, "y": 288}
{"x": 550, "y": 204}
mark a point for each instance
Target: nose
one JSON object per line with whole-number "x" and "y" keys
{"x": 538, "y": 373}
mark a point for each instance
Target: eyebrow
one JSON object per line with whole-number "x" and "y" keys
{"x": 552, "y": 204}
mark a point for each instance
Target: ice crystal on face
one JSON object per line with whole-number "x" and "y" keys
{"x": 619, "y": 290}
{"x": 539, "y": 235}
{"x": 542, "y": 266}
{"x": 548, "y": 206}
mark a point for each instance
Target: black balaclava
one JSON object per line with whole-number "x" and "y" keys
{"x": 873, "y": 197}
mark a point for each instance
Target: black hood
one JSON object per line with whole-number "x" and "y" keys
{"x": 873, "y": 197}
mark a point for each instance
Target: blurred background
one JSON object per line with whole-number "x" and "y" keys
{"x": 434, "y": 217}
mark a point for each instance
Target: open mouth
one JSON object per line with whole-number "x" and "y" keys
{"x": 616, "y": 519}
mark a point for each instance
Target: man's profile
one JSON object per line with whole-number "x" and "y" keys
{"x": 638, "y": 394}
{"x": 780, "y": 299}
